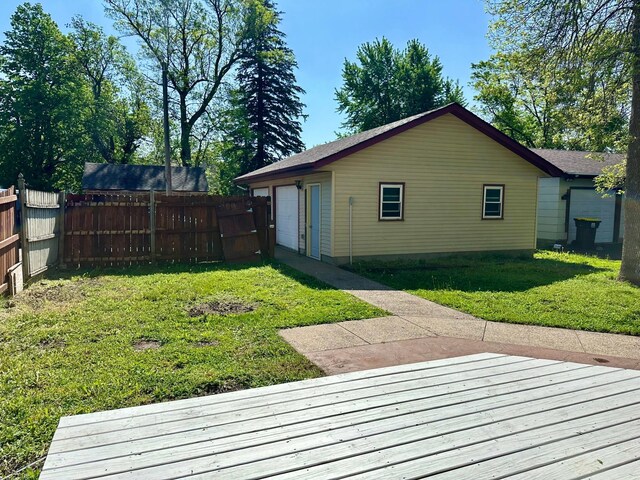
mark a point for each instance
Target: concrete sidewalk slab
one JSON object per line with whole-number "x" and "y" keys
{"x": 321, "y": 337}
{"x": 608, "y": 344}
{"x": 384, "y": 329}
{"x": 438, "y": 329}
{"x": 533, "y": 335}
{"x": 472, "y": 328}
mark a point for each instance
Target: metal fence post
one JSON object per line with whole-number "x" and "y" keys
{"x": 24, "y": 229}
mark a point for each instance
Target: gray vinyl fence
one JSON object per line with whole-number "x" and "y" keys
{"x": 41, "y": 214}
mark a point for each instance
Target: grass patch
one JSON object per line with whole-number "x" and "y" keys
{"x": 552, "y": 289}
{"x": 102, "y": 340}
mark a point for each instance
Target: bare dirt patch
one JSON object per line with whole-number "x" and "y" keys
{"x": 213, "y": 343}
{"x": 142, "y": 345}
{"x": 47, "y": 294}
{"x": 52, "y": 343}
{"x": 221, "y": 307}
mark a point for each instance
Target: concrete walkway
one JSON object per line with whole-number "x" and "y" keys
{"x": 419, "y": 330}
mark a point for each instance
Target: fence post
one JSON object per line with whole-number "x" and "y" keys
{"x": 24, "y": 230}
{"x": 271, "y": 231}
{"x": 152, "y": 224}
{"x": 62, "y": 202}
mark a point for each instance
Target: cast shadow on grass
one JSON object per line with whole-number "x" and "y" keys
{"x": 475, "y": 275}
{"x": 181, "y": 268}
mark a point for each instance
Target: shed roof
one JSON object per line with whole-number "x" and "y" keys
{"x": 583, "y": 164}
{"x": 106, "y": 176}
{"x": 330, "y": 152}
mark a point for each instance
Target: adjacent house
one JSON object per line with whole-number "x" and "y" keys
{"x": 444, "y": 181}
{"x": 573, "y": 195}
{"x": 112, "y": 178}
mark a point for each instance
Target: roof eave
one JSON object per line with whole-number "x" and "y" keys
{"x": 570, "y": 175}
{"x": 275, "y": 175}
{"x": 455, "y": 109}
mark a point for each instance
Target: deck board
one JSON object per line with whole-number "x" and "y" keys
{"x": 480, "y": 416}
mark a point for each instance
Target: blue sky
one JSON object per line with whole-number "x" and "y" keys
{"x": 322, "y": 33}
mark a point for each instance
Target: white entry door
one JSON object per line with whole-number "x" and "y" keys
{"x": 588, "y": 203}
{"x": 287, "y": 216}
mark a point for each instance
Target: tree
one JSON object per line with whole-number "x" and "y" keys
{"x": 589, "y": 36}
{"x": 42, "y": 103}
{"x": 265, "y": 106}
{"x": 119, "y": 115}
{"x": 535, "y": 105}
{"x": 386, "y": 84}
{"x": 195, "y": 43}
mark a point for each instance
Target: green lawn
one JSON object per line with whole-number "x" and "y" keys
{"x": 554, "y": 289}
{"x": 82, "y": 342}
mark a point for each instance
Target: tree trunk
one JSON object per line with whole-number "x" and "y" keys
{"x": 185, "y": 132}
{"x": 630, "y": 270}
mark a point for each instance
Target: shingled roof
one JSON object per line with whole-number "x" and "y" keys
{"x": 582, "y": 164}
{"x": 133, "y": 178}
{"x": 321, "y": 155}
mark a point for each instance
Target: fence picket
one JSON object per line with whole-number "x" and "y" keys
{"x": 119, "y": 229}
{"x": 9, "y": 240}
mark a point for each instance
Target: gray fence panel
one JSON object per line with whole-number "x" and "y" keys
{"x": 41, "y": 225}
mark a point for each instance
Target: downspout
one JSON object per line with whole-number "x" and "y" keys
{"x": 350, "y": 230}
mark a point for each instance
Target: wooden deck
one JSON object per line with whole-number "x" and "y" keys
{"x": 475, "y": 417}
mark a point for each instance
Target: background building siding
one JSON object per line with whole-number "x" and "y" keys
{"x": 551, "y": 211}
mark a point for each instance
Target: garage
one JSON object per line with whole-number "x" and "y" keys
{"x": 286, "y": 200}
{"x": 586, "y": 202}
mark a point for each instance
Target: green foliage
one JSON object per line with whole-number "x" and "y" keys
{"x": 553, "y": 289}
{"x": 65, "y": 100}
{"x": 385, "y": 84}
{"x": 598, "y": 43}
{"x": 197, "y": 42}
{"x": 43, "y": 103}
{"x": 263, "y": 121}
{"x": 68, "y": 345}
{"x": 238, "y": 146}
{"x": 541, "y": 107}
{"x": 612, "y": 178}
{"x": 119, "y": 116}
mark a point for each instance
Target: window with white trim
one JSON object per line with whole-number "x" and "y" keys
{"x": 391, "y": 201}
{"x": 493, "y": 202}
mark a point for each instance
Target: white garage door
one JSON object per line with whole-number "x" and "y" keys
{"x": 287, "y": 216}
{"x": 589, "y": 203}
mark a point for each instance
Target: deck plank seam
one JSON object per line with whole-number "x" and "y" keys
{"x": 506, "y": 419}
{"x": 216, "y": 402}
{"x": 394, "y": 402}
{"x": 340, "y": 392}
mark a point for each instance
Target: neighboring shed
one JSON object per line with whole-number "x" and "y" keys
{"x": 442, "y": 181}
{"x": 106, "y": 177}
{"x": 573, "y": 194}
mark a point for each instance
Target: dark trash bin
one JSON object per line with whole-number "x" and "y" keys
{"x": 586, "y": 232}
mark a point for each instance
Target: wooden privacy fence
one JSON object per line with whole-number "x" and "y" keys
{"x": 9, "y": 238}
{"x": 125, "y": 229}
{"x": 41, "y": 221}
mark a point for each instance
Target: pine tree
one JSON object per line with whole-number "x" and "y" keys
{"x": 266, "y": 103}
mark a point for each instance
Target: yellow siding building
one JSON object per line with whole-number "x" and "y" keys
{"x": 440, "y": 182}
